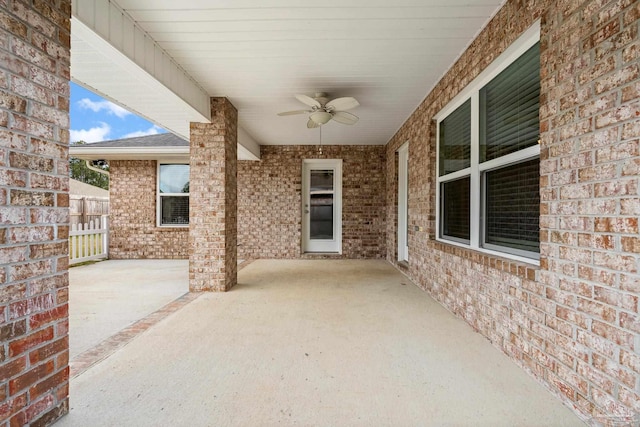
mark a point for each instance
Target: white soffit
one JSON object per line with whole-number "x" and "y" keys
{"x": 259, "y": 53}
{"x": 111, "y": 56}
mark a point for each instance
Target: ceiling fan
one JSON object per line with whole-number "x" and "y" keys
{"x": 322, "y": 110}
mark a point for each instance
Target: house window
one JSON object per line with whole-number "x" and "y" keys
{"x": 173, "y": 195}
{"x": 489, "y": 157}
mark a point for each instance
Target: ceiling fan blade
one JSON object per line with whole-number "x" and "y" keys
{"x": 341, "y": 104}
{"x": 311, "y": 124}
{"x": 291, "y": 113}
{"x": 344, "y": 117}
{"x": 308, "y": 100}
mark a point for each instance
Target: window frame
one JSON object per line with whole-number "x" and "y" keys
{"x": 159, "y": 196}
{"x": 477, "y": 170}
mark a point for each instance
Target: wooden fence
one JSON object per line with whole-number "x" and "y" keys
{"x": 85, "y": 209}
{"x": 89, "y": 241}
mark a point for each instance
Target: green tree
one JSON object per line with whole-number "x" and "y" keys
{"x": 78, "y": 170}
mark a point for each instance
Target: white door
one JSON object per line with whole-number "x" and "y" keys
{"x": 403, "y": 191}
{"x": 322, "y": 206}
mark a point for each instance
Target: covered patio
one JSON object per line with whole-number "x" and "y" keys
{"x": 491, "y": 156}
{"x": 310, "y": 342}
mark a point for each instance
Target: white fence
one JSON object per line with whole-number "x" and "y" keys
{"x": 89, "y": 241}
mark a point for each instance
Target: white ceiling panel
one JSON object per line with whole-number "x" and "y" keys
{"x": 259, "y": 53}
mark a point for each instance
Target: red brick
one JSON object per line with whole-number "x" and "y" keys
{"x": 594, "y": 375}
{"x": 614, "y": 370}
{"x": 47, "y": 284}
{"x": 62, "y": 296}
{"x": 13, "y": 254}
{"x": 564, "y": 388}
{"x": 615, "y": 335}
{"x": 631, "y": 92}
{"x": 39, "y": 319}
{"x": 630, "y": 244}
{"x": 618, "y": 115}
{"x": 30, "y": 377}
{"x": 13, "y": 102}
{"x": 49, "y": 384}
{"x": 608, "y": 314}
{"x": 36, "y": 409}
{"x": 629, "y": 399}
{"x": 597, "y": 343}
{"x": 30, "y": 306}
{"x": 615, "y": 262}
{"x": 12, "y": 406}
{"x": 9, "y": 331}
{"x": 30, "y": 234}
{"x": 596, "y": 241}
{"x": 22, "y": 345}
{"x": 54, "y": 413}
{"x": 13, "y": 178}
{"x": 12, "y": 368}
{"x": 631, "y": 167}
{"x": 62, "y": 328}
{"x": 620, "y": 151}
{"x": 604, "y": 400}
{"x": 49, "y": 249}
{"x": 18, "y": 420}
{"x": 49, "y": 148}
{"x": 30, "y": 270}
{"x": 616, "y": 298}
{"x": 630, "y": 322}
{"x": 49, "y": 350}
{"x": 617, "y": 225}
{"x": 615, "y": 80}
{"x": 630, "y": 283}
{"x": 570, "y": 315}
{"x": 616, "y": 188}
{"x": 630, "y": 361}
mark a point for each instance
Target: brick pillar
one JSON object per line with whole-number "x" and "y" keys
{"x": 213, "y": 200}
{"x": 34, "y": 214}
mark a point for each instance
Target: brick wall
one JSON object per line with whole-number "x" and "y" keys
{"x": 213, "y": 203}
{"x": 34, "y": 214}
{"x": 572, "y": 322}
{"x": 133, "y": 231}
{"x": 269, "y": 201}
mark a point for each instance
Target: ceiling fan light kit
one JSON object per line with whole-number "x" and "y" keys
{"x": 320, "y": 117}
{"x": 322, "y": 110}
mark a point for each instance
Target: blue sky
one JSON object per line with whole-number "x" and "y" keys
{"x": 95, "y": 119}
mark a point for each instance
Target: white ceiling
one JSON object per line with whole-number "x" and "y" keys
{"x": 258, "y": 53}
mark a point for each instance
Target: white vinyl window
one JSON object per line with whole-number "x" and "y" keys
{"x": 489, "y": 157}
{"x": 173, "y": 195}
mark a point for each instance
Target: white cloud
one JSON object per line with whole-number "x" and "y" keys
{"x": 153, "y": 130}
{"x": 109, "y": 107}
{"x": 95, "y": 134}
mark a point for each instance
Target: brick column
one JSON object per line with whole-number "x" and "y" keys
{"x": 213, "y": 200}
{"x": 34, "y": 200}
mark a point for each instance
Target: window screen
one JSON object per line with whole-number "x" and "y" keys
{"x": 509, "y": 108}
{"x": 455, "y": 204}
{"x": 175, "y": 210}
{"x": 512, "y": 211}
{"x": 455, "y": 140}
{"x": 497, "y": 190}
{"x": 173, "y": 197}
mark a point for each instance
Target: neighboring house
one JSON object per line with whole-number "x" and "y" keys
{"x": 510, "y": 194}
{"x": 149, "y": 194}
{"x": 149, "y": 197}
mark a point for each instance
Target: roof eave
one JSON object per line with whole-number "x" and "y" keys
{"x": 129, "y": 153}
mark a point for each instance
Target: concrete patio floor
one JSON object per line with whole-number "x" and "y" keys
{"x": 108, "y": 296}
{"x": 313, "y": 343}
